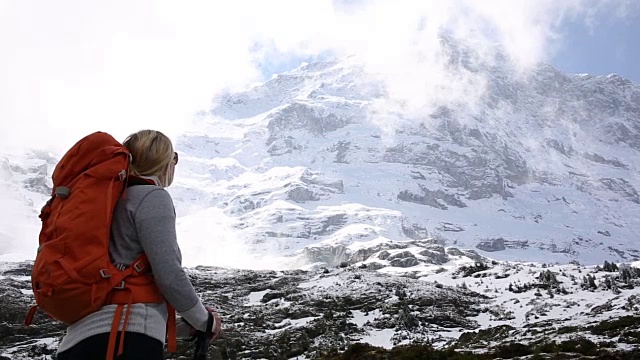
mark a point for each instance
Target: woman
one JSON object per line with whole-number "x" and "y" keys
{"x": 144, "y": 222}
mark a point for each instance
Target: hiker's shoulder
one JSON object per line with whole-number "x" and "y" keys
{"x": 149, "y": 201}
{"x": 148, "y": 194}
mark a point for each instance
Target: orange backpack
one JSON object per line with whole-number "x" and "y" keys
{"x": 72, "y": 275}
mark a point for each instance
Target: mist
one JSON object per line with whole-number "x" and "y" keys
{"x": 74, "y": 67}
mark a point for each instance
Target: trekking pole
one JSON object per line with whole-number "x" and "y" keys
{"x": 203, "y": 339}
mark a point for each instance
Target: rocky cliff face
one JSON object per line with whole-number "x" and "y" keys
{"x": 548, "y": 163}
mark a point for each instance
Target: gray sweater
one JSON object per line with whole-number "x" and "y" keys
{"x": 144, "y": 222}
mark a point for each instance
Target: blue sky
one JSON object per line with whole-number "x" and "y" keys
{"x": 276, "y": 66}
{"x": 609, "y": 45}
{"x": 612, "y": 45}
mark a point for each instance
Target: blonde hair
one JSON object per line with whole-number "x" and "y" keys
{"x": 151, "y": 152}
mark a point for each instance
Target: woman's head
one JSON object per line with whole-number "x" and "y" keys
{"x": 152, "y": 155}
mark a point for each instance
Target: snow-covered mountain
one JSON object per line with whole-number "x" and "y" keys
{"x": 319, "y": 164}
{"x": 440, "y": 223}
{"x": 25, "y": 185}
{"x": 544, "y": 168}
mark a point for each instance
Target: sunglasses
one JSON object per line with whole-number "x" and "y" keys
{"x": 175, "y": 158}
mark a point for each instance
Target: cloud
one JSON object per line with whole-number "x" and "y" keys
{"x": 73, "y": 67}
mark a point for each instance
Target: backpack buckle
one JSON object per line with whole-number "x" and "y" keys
{"x": 62, "y": 192}
{"x": 105, "y": 273}
{"x": 122, "y": 175}
{"x": 139, "y": 266}
{"x": 120, "y": 286}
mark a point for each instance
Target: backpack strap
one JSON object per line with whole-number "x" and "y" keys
{"x": 114, "y": 331}
{"x": 30, "y": 315}
{"x": 172, "y": 338}
{"x": 132, "y": 286}
{"x": 171, "y": 328}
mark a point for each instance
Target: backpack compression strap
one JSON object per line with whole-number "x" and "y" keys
{"x": 138, "y": 287}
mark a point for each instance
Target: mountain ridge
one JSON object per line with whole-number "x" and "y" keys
{"x": 332, "y": 212}
{"x": 539, "y": 168}
{"x": 319, "y": 122}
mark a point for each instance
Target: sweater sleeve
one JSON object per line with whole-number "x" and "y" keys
{"x": 155, "y": 222}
